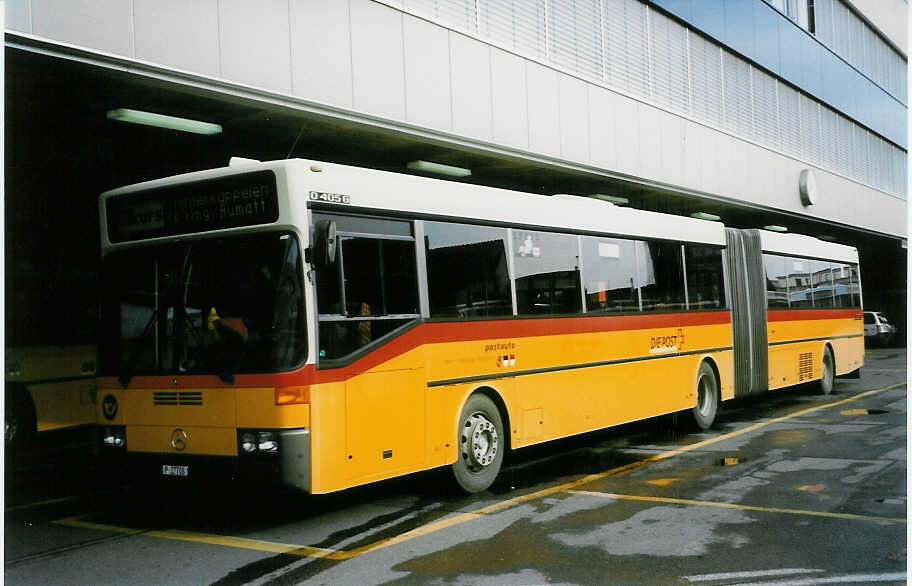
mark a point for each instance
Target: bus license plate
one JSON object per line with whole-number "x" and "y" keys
{"x": 175, "y": 470}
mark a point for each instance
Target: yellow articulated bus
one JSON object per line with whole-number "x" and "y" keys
{"x": 330, "y": 326}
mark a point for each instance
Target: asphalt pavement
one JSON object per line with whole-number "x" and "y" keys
{"x": 789, "y": 488}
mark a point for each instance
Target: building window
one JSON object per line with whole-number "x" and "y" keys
{"x": 801, "y": 11}
{"x": 627, "y": 45}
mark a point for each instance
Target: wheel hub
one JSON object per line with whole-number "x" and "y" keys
{"x": 703, "y": 399}
{"x": 480, "y": 442}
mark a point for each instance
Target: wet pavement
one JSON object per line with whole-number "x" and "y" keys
{"x": 789, "y": 488}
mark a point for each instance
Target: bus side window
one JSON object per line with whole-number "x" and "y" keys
{"x": 372, "y": 287}
{"x": 856, "y": 286}
{"x": 379, "y": 277}
{"x": 842, "y": 285}
{"x": 776, "y": 281}
{"x": 467, "y": 271}
{"x": 547, "y": 273}
{"x": 661, "y": 274}
{"x": 609, "y": 270}
{"x": 705, "y": 289}
{"x": 821, "y": 283}
{"x": 799, "y": 282}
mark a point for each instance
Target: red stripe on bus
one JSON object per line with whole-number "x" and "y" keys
{"x": 810, "y": 314}
{"x": 497, "y": 330}
{"x": 436, "y": 333}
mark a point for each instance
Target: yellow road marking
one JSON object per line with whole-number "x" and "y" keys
{"x": 338, "y": 554}
{"x": 78, "y": 522}
{"x": 673, "y": 501}
{"x": 850, "y": 412}
{"x": 662, "y": 481}
{"x": 237, "y": 542}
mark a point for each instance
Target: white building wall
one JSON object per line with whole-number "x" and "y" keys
{"x": 367, "y": 58}
{"x": 321, "y": 51}
{"x": 508, "y": 99}
{"x": 889, "y": 16}
{"x": 427, "y": 74}
{"x": 378, "y": 65}
{"x": 184, "y": 35}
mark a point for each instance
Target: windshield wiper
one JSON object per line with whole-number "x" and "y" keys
{"x": 126, "y": 374}
{"x": 232, "y": 348}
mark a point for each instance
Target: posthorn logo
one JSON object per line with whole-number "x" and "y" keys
{"x": 109, "y": 406}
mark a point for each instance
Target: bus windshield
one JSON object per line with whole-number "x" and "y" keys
{"x": 214, "y": 306}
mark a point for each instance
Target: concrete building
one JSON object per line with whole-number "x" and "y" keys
{"x": 788, "y": 113}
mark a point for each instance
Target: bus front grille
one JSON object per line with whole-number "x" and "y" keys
{"x": 177, "y": 398}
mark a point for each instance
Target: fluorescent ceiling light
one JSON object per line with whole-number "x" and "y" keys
{"x": 615, "y": 199}
{"x": 439, "y": 168}
{"x": 164, "y": 121}
{"x": 705, "y": 216}
{"x": 775, "y": 228}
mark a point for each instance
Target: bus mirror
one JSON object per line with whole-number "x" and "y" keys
{"x": 324, "y": 244}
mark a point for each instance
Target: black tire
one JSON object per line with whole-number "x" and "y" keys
{"x": 20, "y": 424}
{"x": 827, "y": 372}
{"x": 854, "y": 374}
{"x": 481, "y": 444}
{"x": 707, "y": 395}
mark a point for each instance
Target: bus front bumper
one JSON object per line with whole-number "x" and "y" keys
{"x": 290, "y": 466}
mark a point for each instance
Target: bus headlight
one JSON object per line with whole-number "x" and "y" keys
{"x": 256, "y": 441}
{"x": 267, "y": 442}
{"x": 114, "y": 437}
{"x": 248, "y": 442}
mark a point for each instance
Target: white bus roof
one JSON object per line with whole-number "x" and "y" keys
{"x": 801, "y": 245}
{"x": 435, "y": 197}
{"x": 423, "y": 196}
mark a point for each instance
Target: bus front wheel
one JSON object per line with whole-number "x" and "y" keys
{"x": 19, "y": 419}
{"x": 704, "y": 412}
{"x": 827, "y": 372}
{"x": 481, "y": 444}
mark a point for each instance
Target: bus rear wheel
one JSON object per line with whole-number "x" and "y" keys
{"x": 704, "y": 412}
{"x": 481, "y": 445}
{"x": 827, "y": 372}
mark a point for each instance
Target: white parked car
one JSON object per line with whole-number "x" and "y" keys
{"x": 877, "y": 328}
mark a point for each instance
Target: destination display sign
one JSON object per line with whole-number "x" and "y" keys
{"x": 213, "y": 204}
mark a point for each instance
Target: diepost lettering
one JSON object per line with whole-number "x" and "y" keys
{"x": 664, "y": 343}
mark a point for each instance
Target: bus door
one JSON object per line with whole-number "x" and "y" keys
{"x": 744, "y": 267}
{"x": 368, "y": 302}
